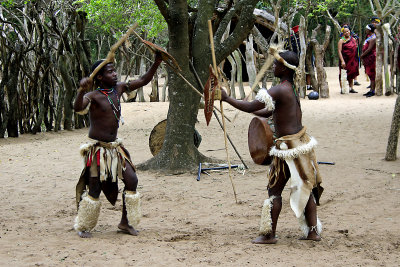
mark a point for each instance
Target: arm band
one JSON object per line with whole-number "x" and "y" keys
{"x": 265, "y": 98}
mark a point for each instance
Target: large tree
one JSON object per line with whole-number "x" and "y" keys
{"x": 189, "y": 41}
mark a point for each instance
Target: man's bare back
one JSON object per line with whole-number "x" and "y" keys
{"x": 287, "y": 114}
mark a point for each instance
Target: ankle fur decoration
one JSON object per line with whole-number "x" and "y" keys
{"x": 305, "y": 229}
{"x": 266, "y": 221}
{"x": 133, "y": 209}
{"x": 88, "y": 214}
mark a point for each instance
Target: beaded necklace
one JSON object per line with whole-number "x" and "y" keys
{"x": 293, "y": 87}
{"x": 116, "y": 110}
{"x": 294, "y": 91}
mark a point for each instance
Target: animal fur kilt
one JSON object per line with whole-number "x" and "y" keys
{"x": 105, "y": 160}
{"x": 297, "y": 151}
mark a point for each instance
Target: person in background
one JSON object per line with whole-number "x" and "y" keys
{"x": 368, "y": 57}
{"x": 357, "y": 38}
{"x": 294, "y": 46}
{"x": 348, "y": 50}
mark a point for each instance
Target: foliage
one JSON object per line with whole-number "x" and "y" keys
{"x": 119, "y": 14}
{"x": 11, "y": 3}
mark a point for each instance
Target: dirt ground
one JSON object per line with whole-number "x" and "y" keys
{"x": 197, "y": 223}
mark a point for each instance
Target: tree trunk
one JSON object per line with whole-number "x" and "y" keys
{"x": 250, "y": 62}
{"x": 164, "y": 89}
{"x": 178, "y": 152}
{"x": 3, "y": 103}
{"x": 310, "y": 66}
{"x": 396, "y": 65}
{"x": 68, "y": 89}
{"x": 300, "y": 79}
{"x": 142, "y": 70}
{"x": 233, "y": 75}
{"x": 11, "y": 87}
{"x": 391, "y": 149}
{"x": 239, "y": 70}
{"x": 379, "y": 61}
{"x": 319, "y": 51}
{"x": 59, "y": 108}
{"x": 388, "y": 90}
{"x": 154, "y": 89}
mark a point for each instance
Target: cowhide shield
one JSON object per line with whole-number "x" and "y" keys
{"x": 167, "y": 58}
{"x": 209, "y": 94}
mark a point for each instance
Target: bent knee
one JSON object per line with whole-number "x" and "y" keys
{"x": 130, "y": 181}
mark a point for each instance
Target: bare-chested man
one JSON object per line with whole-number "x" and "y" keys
{"x": 293, "y": 155}
{"x": 104, "y": 156}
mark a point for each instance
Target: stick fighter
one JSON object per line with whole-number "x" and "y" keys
{"x": 105, "y": 158}
{"x": 293, "y": 153}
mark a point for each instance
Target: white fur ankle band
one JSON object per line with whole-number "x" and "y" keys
{"x": 133, "y": 207}
{"x": 266, "y": 221}
{"x": 88, "y": 214}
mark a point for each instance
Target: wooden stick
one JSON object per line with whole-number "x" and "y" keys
{"x": 197, "y": 91}
{"x": 111, "y": 54}
{"x": 222, "y": 108}
{"x": 260, "y": 74}
{"x": 216, "y": 116}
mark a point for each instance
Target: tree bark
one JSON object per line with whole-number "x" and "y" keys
{"x": 142, "y": 70}
{"x": 164, "y": 89}
{"x": 310, "y": 66}
{"x": 11, "y": 87}
{"x": 233, "y": 75}
{"x": 319, "y": 51}
{"x": 391, "y": 149}
{"x": 386, "y": 33}
{"x": 250, "y": 62}
{"x": 179, "y": 153}
{"x": 239, "y": 71}
{"x": 379, "y": 61}
{"x": 300, "y": 79}
{"x": 3, "y": 103}
{"x": 154, "y": 96}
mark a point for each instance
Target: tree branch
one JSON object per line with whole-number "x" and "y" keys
{"x": 162, "y": 6}
{"x": 240, "y": 32}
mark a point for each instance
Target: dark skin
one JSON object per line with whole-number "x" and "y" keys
{"x": 371, "y": 45}
{"x": 287, "y": 119}
{"x": 104, "y": 124}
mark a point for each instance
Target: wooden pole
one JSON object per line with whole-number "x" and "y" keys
{"x": 216, "y": 116}
{"x": 222, "y": 108}
{"x": 111, "y": 55}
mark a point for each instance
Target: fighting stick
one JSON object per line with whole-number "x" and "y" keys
{"x": 175, "y": 69}
{"x": 222, "y": 109}
{"x": 273, "y": 52}
{"x": 111, "y": 54}
{"x": 216, "y": 116}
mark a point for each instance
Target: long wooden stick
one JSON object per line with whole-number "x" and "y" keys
{"x": 222, "y": 108}
{"x": 111, "y": 54}
{"x": 216, "y": 116}
{"x": 260, "y": 74}
{"x": 176, "y": 70}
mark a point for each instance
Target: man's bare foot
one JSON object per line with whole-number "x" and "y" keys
{"x": 264, "y": 239}
{"x": 313, "y": 236}
{"x": 84, "y": 234}
{"x": 126, "y": 228}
